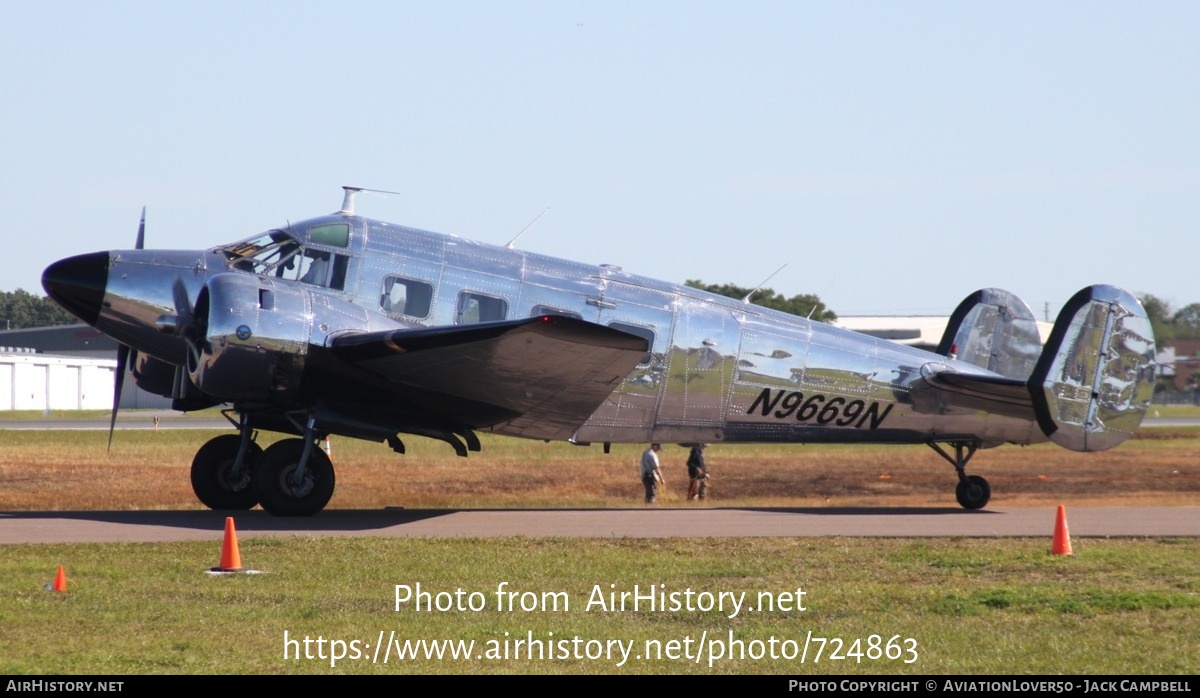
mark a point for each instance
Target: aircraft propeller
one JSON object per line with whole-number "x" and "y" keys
{"x": 186, "y": 322}
{"x": 123, "y": 351}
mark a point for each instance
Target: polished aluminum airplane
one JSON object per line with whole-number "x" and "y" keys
{"x": 345, "y": 325}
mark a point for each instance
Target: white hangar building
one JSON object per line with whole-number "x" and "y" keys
{"x": 69, "y": 367}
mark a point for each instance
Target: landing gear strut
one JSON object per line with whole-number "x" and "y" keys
{"x": 293, "y": 477}
{"x": 972, "y": 492}
{"x": 221, "y": 471}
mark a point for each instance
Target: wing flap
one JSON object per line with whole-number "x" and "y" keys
{"x": 546, "y": 375}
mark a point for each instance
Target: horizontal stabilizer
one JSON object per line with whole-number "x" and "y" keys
{"x": 1093, "y": 383}
{"x": 995, "y": 330}
{"x": 959, "y": 390}
{"x": 540, "y": 377}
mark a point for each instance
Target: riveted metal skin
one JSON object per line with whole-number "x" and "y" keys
{"x": 347, "y": 325}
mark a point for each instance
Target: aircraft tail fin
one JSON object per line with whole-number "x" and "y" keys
{"x": 1094, "y": 379}
{"x": 995, "y": 330}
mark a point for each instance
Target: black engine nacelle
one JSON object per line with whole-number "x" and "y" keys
{"x": 153, "y": 375}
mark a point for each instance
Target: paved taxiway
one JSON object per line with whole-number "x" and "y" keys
{"x": 911, "y": 522}
{"x": 151, "y": 526}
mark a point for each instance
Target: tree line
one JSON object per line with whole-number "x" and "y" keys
{"x": 1171, "y": 324}
{"x": 802, "y": 304}
{"x": 21, "y": 309}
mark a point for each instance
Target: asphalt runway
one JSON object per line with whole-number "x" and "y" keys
{"x": 659, "y": 522}
{"x": 882, "y": 522}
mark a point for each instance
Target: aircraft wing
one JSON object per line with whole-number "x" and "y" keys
{"x": 946, "y": 389}
{"x": 541, "y": 377}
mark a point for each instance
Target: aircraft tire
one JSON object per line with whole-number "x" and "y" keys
{"x": 211, "y": 474}
{"x": 973, "y": 493}
{"x": 277, "y": 495}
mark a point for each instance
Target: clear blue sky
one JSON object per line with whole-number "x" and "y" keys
{"x": 896, "y": 155}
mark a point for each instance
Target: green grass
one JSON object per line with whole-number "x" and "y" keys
{"x": 971, "y": 606}
{"x": 1174, "y": 411}
{"x": 102, "y": 416}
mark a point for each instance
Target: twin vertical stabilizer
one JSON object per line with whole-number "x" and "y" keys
{"x": 1089, "y": 386}
{"x": 1094, "y": 380}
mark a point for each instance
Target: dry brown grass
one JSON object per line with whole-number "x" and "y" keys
{"x": 60, "y": 470}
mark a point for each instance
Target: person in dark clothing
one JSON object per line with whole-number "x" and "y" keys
{"x": 697, "y": 472}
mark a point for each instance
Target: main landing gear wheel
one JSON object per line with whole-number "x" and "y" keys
{"x": 973, "y": 492}
{"x": 280, "y": 492}
{"x": 213, "y": 479}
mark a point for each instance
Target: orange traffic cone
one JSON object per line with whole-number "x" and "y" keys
{"x": 60, "y": 580}
{"x": 231, "y": 559}
{"x": 1062, "y": 538}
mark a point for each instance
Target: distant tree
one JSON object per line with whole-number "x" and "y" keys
{"x": 1186, "y": 322}
{"x": 21, "y": 309}
{"x": 800, "y": 304}
{"x": 1161, "y": 319}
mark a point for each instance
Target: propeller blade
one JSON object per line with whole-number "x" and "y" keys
{"x": 185, "y": 315}
{"x": 118, "y": 383}
{"x": 140, "y": 244}
{"x": 122, "y": 350}
{"x": 183, "y": 302}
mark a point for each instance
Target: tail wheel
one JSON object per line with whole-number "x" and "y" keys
{"x": 279, "y": 490}
{"x": 973, "y": 492}
{"x": 213, "y": 479}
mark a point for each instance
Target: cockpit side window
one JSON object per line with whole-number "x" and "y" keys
{"x": 332, "y": 235}
{"x": 313, "y": 268}
{"x": 340, "y": 263}
{"x": 280, "y": 255}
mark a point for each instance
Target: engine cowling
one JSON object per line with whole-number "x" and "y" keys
{"x": 249, "y": 339}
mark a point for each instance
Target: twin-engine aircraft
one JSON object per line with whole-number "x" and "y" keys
{"x": 351, "y": 326}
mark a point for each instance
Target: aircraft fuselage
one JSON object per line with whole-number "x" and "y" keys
{"x": 717, "y": 370}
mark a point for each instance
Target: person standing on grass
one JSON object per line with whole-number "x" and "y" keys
{"x": 651, "y": 475}
{"x": 697, "y": 472}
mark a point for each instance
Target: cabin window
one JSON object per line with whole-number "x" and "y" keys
{"x": 644, "y": 332}
{"x": 539, "y": 310}
{"x": 476, "y": 307}
{"x": 406, "y": 297}
{"x": 333, "y": 235}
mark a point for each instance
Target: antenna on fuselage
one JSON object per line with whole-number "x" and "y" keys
{"x": 763, "y": 283}
{"x": 348, "y": 199}
{"x": 527, "y": 227}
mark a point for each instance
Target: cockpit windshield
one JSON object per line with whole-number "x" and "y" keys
{"x": 269, "y": 254}
{"x": 280, "y": 255}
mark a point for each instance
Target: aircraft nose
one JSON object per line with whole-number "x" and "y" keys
{"x": 78, "y": 284}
